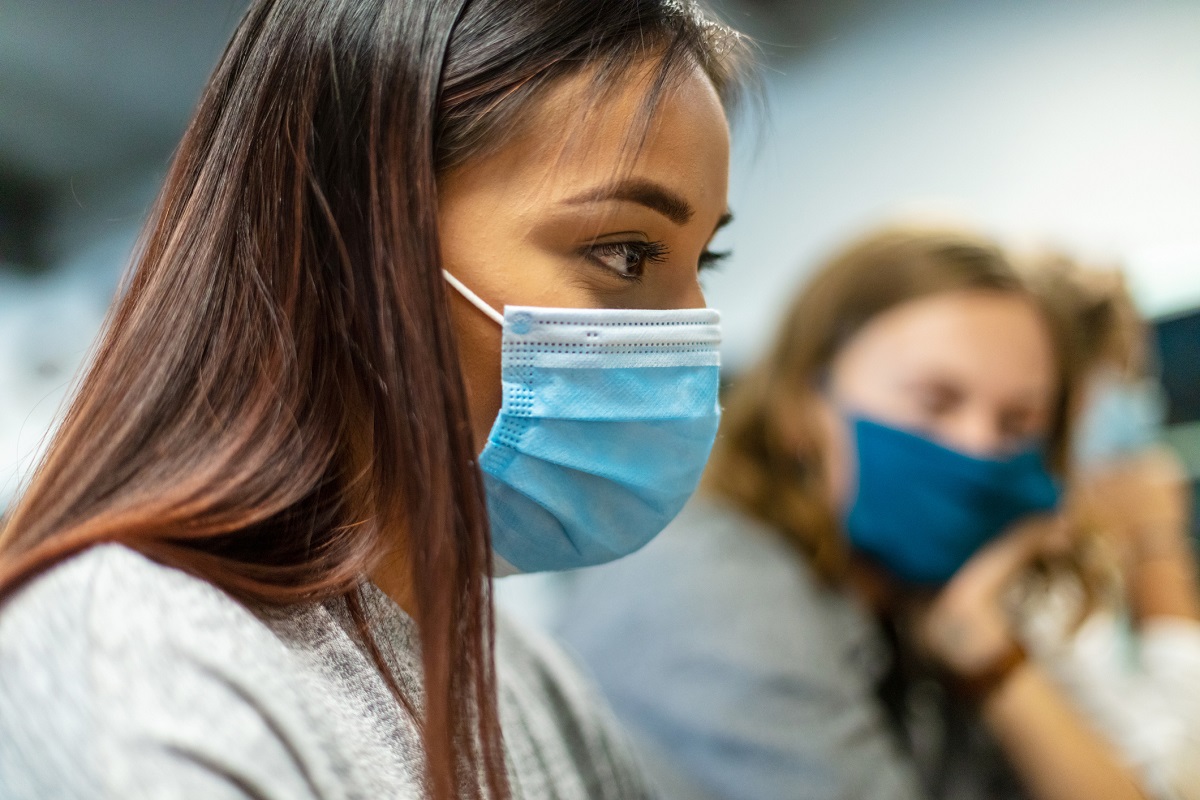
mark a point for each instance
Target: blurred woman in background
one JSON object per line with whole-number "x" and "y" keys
{"x": 256, "y": 560}
{"x": 830, "y": 617}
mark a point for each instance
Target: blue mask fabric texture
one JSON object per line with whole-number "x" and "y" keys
{"x": 607, "y": 420}
{"x": 921, "y": 510}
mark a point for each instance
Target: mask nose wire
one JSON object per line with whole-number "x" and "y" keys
{"x": 473, "y": 298}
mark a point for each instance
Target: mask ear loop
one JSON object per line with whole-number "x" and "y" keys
{"x": 474, "y": 299}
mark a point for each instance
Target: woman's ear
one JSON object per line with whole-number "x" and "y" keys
{"x": 838, "y": 447}
{"x": 793, "y": 422}
{"x": 810, "y": 427}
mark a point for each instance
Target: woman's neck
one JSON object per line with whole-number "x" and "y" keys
{"x": 393, "y": 576}
{"x": 871, "y": 585}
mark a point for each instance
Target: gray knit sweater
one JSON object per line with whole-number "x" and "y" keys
{"x": 121, "y": 678}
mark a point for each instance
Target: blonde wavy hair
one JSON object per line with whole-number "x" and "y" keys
{"x": 1096, "y": 309}
{"x": 755, "y": 464}
{"x": 1099, "y": 324}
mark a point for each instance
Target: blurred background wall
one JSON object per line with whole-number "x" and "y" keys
{"x": 1073, "y": 124}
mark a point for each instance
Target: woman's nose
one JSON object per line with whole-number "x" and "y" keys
{"x": 689, "y": 294}
{"x": 694, "y": 298}
{"x": 675, "y": 286}
{"x": 976, "y": 434}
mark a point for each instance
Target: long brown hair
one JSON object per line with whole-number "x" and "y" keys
{"x": 754, "y": 464}
{"x": 1101, "y": 321}
{"x": 276, "y": 398}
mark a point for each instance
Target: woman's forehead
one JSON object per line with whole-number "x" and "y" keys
{"x": 581, "y": 132}
{"x": 579, "y": 145}
{"x": 994, "y": 341}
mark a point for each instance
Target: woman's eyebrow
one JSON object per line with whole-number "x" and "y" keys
{"x": 652, "y": 195}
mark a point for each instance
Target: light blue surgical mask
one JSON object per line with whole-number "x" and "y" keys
{"x": 607, "y": 420}
{"x": 1120, "y": 418}
{"x": 921, "y": 510}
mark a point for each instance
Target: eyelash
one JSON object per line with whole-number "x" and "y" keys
{"x": 643, "y": 252}
{"x": 713, "y": 259}
{"x": 646, "y": 252}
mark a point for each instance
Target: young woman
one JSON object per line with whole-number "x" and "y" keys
{"x": 256, "y": 559}
{"x": 828, "y": 617}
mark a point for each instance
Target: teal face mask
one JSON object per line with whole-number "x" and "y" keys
{"x": 607, "y": 420}
{"x": 922, "y": 510}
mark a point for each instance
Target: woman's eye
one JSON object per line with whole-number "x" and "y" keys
{"x": 936, "y": 402}
{"x": 1018, "y": 426}
{"x": 711, "y": 259}
{"x": 628, "y": 259}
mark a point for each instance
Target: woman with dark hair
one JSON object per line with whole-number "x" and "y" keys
{"x": 830, "y": 616}
{"x": 256, "y": 559}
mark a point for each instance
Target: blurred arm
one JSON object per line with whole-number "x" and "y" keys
{"x": 1057, "y": 754}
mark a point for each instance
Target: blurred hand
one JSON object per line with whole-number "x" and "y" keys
{"x": 965, "y": 627}
{"x": 1142, "y": 502}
